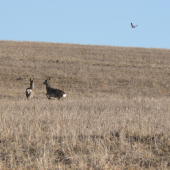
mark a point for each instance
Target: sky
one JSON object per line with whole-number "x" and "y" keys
{"x": 93, "y": 22}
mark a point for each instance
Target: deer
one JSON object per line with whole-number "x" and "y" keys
{"x": 51, "y": 92}
{"x": 30, "y": 90}
{"x": 133, "y": 26}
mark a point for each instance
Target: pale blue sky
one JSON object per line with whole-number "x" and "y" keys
{"x": 95, "y": 22}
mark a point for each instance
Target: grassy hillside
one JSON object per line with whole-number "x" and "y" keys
{"x": 115, "y": 116}
{"x": 89, "y": 71}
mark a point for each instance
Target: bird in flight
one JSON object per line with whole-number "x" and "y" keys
{"x": 133, "y": 25}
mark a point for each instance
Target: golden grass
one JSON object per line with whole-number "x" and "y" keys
{"x": 115, "y": 116}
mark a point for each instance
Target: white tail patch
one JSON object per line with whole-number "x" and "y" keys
{"x": 64, "y": 95}
{"x": 29, "y": 91}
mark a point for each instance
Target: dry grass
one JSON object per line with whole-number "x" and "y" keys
{"x": 115, "y": 116}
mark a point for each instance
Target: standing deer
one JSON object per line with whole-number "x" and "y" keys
{"x": 51, "y": 92}
{"x": 30, "y": 90}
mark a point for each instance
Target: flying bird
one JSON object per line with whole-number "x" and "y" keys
{"x": 133, "y": 25}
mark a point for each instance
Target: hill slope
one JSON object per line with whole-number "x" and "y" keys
{"x": 83, "y": 69}
{"x": 115, "y": 115}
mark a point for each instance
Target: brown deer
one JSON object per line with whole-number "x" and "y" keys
{"x": 51, "y": 92}
{"x": 30, "y": 90}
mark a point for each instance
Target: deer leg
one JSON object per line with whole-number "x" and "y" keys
{"x": 48, "y": 96}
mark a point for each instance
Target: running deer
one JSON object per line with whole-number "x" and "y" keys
{"x": 30, "y": 90}
{"x": 51, "y": 92}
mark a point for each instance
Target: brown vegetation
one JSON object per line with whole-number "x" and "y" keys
{"x": 115, "y": 115}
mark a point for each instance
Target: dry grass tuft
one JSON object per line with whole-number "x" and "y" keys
{"x": 115, "y": 116}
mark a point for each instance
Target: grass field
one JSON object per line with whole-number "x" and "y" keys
{"x": 115, "y": 115}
